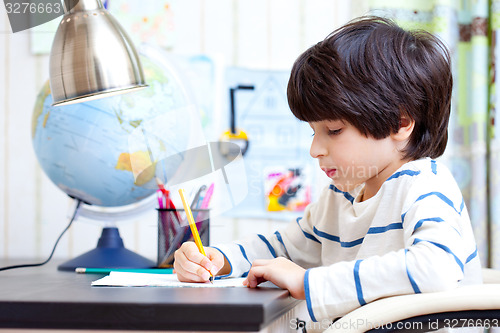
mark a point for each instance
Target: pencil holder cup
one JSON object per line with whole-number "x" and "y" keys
{"x": 173, "y": 230}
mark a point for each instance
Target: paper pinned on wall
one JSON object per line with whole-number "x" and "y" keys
{"x": 126, "y": 279}
{"x": 276, "y": 140}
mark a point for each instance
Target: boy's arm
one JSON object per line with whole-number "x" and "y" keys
{"x": 295, "y": 242}
{"x": 226, "y": 269}
{"x": 439, "y": 249}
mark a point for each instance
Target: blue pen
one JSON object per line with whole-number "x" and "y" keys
{"x": 196, "y": 199}
{"x": 85, "y": 270}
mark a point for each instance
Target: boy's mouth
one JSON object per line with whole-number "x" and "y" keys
{"x": 329, "y": 172}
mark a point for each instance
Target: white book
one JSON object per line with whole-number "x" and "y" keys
{"x": 127, "y": 279}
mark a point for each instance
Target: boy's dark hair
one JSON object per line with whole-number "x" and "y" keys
{"x": 370, "y": 73}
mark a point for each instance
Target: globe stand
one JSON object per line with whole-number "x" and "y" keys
{"x": 109, "y": 253}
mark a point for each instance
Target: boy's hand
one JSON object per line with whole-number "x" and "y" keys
{"x": 280, "y": 271}
{"x": 192, "y": 266}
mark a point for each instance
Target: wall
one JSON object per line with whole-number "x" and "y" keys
{"x": 265, "y": 34}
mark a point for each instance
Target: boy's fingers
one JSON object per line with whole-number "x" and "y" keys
{"x": 190, "y": 267}
{"x": 216, "y": 259}
{"x": 190, "y": 277}
{"x": 207, "y": 264}
{"x": 193, "y": 263}
{"x": 255, "y": 276}
{"x": 192, "y": 253}
{"x": 257, "y": 273}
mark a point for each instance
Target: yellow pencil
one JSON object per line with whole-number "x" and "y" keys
{"x": 192, "y": 225}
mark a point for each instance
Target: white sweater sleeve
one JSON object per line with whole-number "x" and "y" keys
{"x": 296, "y": 242}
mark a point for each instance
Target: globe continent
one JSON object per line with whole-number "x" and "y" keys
{"x": 104, "y": 152}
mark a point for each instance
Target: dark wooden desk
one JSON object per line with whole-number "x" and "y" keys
{"x": 42, "y": 297}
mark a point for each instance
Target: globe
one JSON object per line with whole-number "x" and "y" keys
{"x": 104, "y": 152}
{"x": 110, "y": 153}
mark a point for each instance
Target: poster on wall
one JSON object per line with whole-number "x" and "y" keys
{"x": 277, "y": 161}
{"x": 148, "y": 22}
{"x": 287, "y": 188}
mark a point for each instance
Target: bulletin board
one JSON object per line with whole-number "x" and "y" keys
{"x": 278, "y": 153}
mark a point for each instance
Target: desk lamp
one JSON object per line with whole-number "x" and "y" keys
{"x": 92, "y": 56}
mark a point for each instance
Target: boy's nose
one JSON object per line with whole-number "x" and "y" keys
{"x": 317, "y": 149}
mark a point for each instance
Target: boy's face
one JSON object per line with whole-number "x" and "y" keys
{"x": 350, "y": 158}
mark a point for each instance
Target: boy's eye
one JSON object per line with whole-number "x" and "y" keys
{"x": 334, "y": 132}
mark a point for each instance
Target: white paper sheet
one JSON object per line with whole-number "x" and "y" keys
{"x": 126, "y": 279}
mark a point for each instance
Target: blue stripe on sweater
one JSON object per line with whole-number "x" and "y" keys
{"x": 379, "y": 230}
{"x": 414, "y": 285}
{"x": 230, "y": 265}
{"x": 347, "y": 195}
{"x": 269, "y": 246}
{"x": 280, "y": 239}
{"x": 307, "y": 293}
{"x": 243, "y": 252}
{"x": 442, "y": 247}
{"x": 357, "y": 281}
{"x": 432, "y": 219}
{"x": 337, "y": 238}
{"x": 372, "y": 230}
{"x": 434, "y": 167}
{"x": 403, "y": 173}
{"x": 398, "y": 174}
{"x": 442, "y": 197}
{"x": 472, "y": 256}
{"x": 306, "y": 234}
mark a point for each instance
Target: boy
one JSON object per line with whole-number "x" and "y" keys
{"x": 393, "y": 220}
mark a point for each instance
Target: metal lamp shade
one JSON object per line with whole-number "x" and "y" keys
{"x": 92, "y": 56}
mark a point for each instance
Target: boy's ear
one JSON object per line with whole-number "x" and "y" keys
{"x": 406, "y": 125}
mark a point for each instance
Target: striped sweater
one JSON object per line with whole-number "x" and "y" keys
{"x": 413, "y": 236}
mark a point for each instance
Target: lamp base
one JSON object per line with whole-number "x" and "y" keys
{"x": 109, "y": 253}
